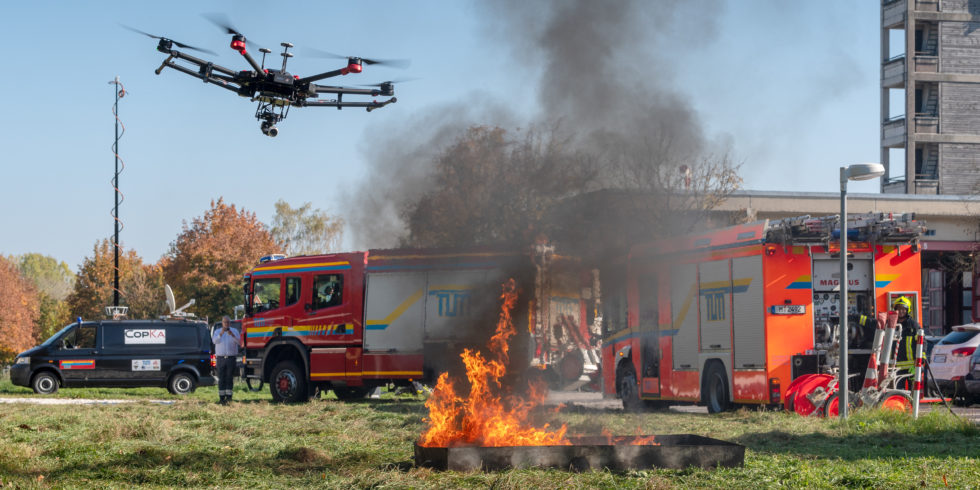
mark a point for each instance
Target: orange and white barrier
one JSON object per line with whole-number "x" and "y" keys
{"x": 919, "y": 363}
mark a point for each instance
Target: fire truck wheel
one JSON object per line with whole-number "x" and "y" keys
{"x": 351, "y": 392}
{"x": 896, "y": 400}
{"x": 716, "y": 388}
{"x": 288, "y": 383}
{"x": 629, "y": 389}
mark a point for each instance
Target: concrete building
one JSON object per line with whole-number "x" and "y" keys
{"x": 930, "y": 96}
{"x": 949, "y": 253}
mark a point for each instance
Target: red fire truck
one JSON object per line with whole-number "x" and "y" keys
{"x": 354, "y": 321}
{"x": 734, "y": 315}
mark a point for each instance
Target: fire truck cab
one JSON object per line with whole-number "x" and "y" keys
{"x": 732, "y": 316}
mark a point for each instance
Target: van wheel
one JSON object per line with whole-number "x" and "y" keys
{"x": 288, "y": 383}
{"x": 181, "y": 384}
{"x": 45, "y": 383}
{"x": 716, "y": 388}
{"x": 629, "y": 389}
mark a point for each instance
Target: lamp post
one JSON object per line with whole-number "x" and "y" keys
{"x": 857, "y": 171}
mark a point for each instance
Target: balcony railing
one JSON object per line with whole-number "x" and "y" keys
{"x": 893, "y": 185}
{"x": 893, "y": 72}
{"x": 893, "y": 15}
{"x": 893, "y": 132}
{"x": 926, "y": 185}
{"x": 926, "y": 123}
{"x": 926, "y": 63}
{"x": 927, "y": 5}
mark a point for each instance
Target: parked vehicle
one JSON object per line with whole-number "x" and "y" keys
{"x": 950, "y": 361}
{"x": 971, "y": 381}
{"x": 350, "y": 322}
{"x": 734, "y": 316}
{"x": 175, "y": 354}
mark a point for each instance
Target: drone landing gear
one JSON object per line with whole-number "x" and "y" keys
{"x": 270, "y": 112}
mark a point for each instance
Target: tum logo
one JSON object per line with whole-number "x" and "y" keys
{"x": 715, "y": 303}
{"x": 452, "y": 302}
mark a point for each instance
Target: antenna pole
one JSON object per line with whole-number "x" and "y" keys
{"x": 120, "y": 92}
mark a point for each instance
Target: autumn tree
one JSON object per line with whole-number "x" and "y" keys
{"x": 141, "y": 285}
{"x": 19, "y": 311}
{"x": 53, "y": 281}
{"x": 594, "y": 195}
{"x": 209, "y": 256}
{"x": 304, "y": 230}
{"x": 491, "y": 187}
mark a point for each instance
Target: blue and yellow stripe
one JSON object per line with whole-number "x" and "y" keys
{"x": 803, "y": 282}
{"x": 301, "y": 330}
{"x": 381, "y": 324}
{"x": 318, "y": 267}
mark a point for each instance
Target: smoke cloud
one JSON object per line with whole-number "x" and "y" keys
{"x": 604, "y": 75}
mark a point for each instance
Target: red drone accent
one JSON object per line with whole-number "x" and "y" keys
{"x": 238, "y": 45}
{"x": 354, "y": 68}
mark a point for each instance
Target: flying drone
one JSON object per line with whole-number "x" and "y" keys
{"x": 276, "y": 90}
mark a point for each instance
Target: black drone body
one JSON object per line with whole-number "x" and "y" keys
{"x": 276, "y": 90}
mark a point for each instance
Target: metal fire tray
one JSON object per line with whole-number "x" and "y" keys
{"x": 675, "y": 451}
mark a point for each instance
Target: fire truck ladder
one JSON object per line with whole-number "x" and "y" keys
{"x": 875, "y": 228}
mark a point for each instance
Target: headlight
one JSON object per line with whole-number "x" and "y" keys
{"x": 23, "y": 360}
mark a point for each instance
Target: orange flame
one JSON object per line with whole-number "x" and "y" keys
{"x": 490, "y": 416}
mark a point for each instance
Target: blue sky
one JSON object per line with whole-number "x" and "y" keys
{"x": 791, "y": 86}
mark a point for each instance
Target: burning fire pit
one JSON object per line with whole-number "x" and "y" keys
{"x": 590, "y": 452}
{"x": 489, "y": 428}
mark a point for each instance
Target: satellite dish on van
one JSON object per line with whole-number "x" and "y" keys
{"x": 172, "y": 309}
{"x": 171, "y": 302}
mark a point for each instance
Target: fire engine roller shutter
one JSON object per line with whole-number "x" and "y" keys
{"x": 394, "y": 312}
{"x": 684, "y": 313}
{"x": 748, "y": 312}
{"x": 454, "y": 298}
{"x": 715, "y": 299}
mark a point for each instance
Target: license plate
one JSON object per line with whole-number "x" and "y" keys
{"x": 788, "y": 309}
{"x": 939, "y": 358}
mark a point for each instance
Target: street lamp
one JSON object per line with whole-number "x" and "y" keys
{"x": 857, "y": 171}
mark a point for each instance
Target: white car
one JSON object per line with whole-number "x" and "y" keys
{"x": 950, "y": 361}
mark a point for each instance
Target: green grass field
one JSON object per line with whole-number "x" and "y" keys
{"x": 194, "y": 442}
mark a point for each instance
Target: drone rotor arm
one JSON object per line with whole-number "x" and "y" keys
{"x": 321, "y": 76}
{"x": 323, "y": 89}
{"x": 370, "y": 105}
{"x": 219, "y": 80}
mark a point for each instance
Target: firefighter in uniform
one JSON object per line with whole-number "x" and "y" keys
{"x": 910, "y": 328}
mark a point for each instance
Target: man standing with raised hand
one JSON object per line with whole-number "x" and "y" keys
{"x": 225, "y": 341}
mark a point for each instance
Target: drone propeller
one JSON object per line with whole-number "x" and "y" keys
{"x": 222, "y": 21}
{"x": 180, "y": 44}
{"x": 389, "y": 82}
{"x": 394, "y": 63}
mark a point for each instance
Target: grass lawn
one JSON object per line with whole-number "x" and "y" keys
{"x": 194, "y": 442}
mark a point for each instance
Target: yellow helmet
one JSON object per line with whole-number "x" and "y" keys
{"x": 902, "y": 300}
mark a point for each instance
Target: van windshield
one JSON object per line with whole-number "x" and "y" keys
{"x": 61, "y": 332}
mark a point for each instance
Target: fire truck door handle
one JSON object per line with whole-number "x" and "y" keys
{"x": 308, "y": 307}
{"x": 715, "y": 346}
